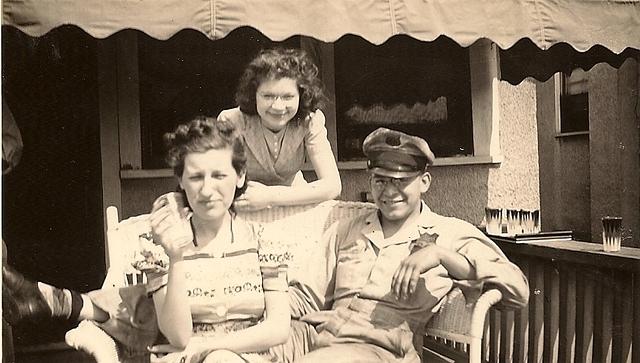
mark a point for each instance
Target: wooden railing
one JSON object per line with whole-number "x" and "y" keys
{"x": 584, "y": 306}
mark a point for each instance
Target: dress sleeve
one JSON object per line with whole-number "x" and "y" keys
{"x": 233, "y": 115}
{"x": 316, "y": 141}
{"x": 492, "y": 268}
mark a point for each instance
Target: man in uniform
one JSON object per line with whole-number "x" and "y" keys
{"x": 385, "y": 273}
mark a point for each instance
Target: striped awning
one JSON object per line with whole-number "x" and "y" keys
{"x": 589, "y": 31}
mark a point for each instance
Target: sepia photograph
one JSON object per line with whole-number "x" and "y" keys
{"x": 315, "y": 181}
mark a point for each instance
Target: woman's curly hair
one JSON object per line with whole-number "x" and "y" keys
{"x": 279, "y": 63}
{"x": 202, "y": 134}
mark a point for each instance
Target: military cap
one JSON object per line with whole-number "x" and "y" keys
{"x": 395, "y": 154}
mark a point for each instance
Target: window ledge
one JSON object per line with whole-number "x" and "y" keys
{"x": 145, "y": 173}
{"x": 342, "y": 165}
{"x": 569, "y": 134}
{"x": 454, "y": 160}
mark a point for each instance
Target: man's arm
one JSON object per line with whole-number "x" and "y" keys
{"x": 471, "y": 260}
{"x": 493, "y": 268}
{"x": 407, "y": 275}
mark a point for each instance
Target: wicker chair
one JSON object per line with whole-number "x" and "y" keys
{"x": 453, "y": 334}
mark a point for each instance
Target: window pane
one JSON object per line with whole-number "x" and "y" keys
{"x": 574, "y": 102}
{"x": 422, "y": 88}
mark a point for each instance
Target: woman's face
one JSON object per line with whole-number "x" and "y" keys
{"x": 210, "y": 182}
{"x": 277, "y": 101}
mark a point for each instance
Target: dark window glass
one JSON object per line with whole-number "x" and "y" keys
{"x": 574, "y": 112}
{"x": 574, "y": 102}
{"x": 422, "y": 88}
{"x": 189, "y": 75}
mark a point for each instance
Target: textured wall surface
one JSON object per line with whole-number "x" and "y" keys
{"x": 615, "y": 148}
{"x": 516, "y": 183}
{"x": 564, "y": 171}
{"x": 585, "y": 177}
{"x": 461, "y": 191}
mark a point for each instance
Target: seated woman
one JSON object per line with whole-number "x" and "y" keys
{"x": 216, "y": 302}
{"x": 278, "y": 98}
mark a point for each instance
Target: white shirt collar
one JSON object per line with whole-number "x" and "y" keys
{"x": 372, "y": 229}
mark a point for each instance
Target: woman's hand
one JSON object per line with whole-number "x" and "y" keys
{"x": 256, "y": 197}
{"x": 406, "y": 277}
{"x": 170, "y": 230}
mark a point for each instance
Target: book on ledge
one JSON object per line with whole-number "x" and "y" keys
{"x": 533, "y": 237}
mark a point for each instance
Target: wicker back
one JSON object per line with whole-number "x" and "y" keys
{"x": 323, "y": 214}
{"x": 294, "y": 229}
{"x": 455, "y": 331}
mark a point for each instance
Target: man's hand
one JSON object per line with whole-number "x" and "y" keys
{"x": 256, "y": 197}
{"x": 406, "y": 277}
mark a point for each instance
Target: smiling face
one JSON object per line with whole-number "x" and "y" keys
{"x": 399, "y": 198}
{"x": 277, "y": 102}
{"x": 210, "y": 181}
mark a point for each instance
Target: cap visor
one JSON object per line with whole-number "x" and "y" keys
{"x": 393, "y": 173}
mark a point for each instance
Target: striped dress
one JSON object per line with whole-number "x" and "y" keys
{"x": 226, "y": 289}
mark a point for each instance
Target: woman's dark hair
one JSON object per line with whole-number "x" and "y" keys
{"x": 201, "y": 135}
{"x": 279, "y": 63}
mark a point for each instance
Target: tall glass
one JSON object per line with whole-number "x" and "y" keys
{"x": 611, "y": 233}
{"x": 180, "y": 230}
{"x": 494, "y": 220}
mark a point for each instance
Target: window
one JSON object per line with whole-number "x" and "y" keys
{"x": 443, "y": 92}
{"x": 574, "y": 102}
{"x": 422, "y": 88}
{"x": 189, "y": 75}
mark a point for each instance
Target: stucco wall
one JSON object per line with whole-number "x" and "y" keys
{"x": 516, "y": 183}
{"x": 461, "y": 191}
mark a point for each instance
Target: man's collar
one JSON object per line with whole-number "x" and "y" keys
{"x": 373, "y": 228}
{"x": 427, "y": 217}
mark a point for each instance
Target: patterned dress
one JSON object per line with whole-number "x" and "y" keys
{"x": 226, "y": 288}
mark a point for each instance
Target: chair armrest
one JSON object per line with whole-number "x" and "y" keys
{"x": 482, "y": 306}
{"x": 89, "y": 338}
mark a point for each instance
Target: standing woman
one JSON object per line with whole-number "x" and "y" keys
{"x": 278, "y": 98}
{"x": 216, "y": 302}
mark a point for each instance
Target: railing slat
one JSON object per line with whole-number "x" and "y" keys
{"x": 622, "y": 317}
{"x": 536, "y": 311}
{"x": 506, "y": 336}
{"x": 602, "y": 318}
{"x": 494, "y": 332}
{"x": 567, "y": 328}
{"x": 521, "y": 329}
{"x": 584, "y": 317}
{"x": 551, "y": 313}
{"x": 636, "y": 315}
